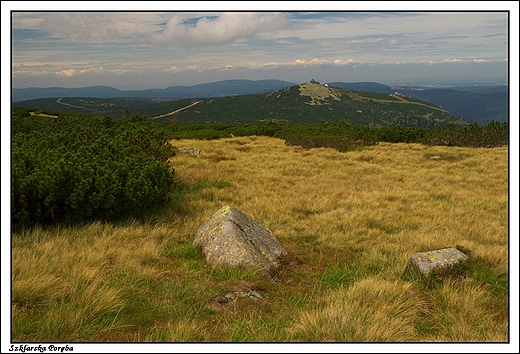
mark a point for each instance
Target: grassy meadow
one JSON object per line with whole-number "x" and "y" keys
{"x": 349, "y": 220}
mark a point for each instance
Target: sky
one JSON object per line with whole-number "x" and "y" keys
{"x": 158, "y": 49}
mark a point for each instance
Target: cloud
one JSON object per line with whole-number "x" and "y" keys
{"x": 217, "y": 30}
{"x": 317, "y": 61}
{"x": 173, "y": 69}
{"x": 79, "y": 27}
{"x": 298, "y": 63}
{"x": 314, "y": 61}
{"x": 68, "y": 73}
{"x": 22, "y": 70}
{"x": 26, "y": 20}
{"x": 29, "y": 72}
{"x": 344, "y": 62}
{"x": 94, "y": 27}
{"x": 456, "y": 60}
{"x": 102, "y": 71}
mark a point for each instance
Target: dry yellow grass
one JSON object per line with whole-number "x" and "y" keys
{"x": 352, "y": 218}
{"x": 391, "y": 197}
{"x": 372, "y": 310}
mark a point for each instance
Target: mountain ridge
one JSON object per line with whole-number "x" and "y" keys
{"x": 310, "y": 102}
{"x": 212, "y": 89}
{"x": 481, "y": 104}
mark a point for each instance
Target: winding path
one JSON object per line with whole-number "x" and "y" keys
{"x": 177, "y": 110}
{"x": 71, "y": 105}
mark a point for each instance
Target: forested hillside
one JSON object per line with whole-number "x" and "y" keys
{"x": 306, "y": 103}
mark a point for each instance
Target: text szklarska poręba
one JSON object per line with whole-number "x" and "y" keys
{"x": 25, "y": 348}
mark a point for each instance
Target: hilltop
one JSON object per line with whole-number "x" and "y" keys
{"x": 310, "y": 102}
{"x": 313, "y": 102}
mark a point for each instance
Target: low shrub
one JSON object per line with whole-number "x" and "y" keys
{"x": 70, "y": 169}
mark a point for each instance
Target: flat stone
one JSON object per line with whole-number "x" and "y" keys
{"x": 428, "y": 261}
{"x": 189, "y": 150}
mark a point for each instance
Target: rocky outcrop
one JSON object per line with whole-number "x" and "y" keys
{"x": 438, "y": 259}
{"x": 232, "y": 238}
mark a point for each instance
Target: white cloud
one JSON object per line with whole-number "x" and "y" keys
{"x": 26, "y": 20}
{"x": 456, "y": 60}
{"x": 344, "y": 62}
{"x": 30, "y": 73}
{"x": 261, "y": 65}
{"x": 101, "y": 71}
{"x": 26, "y": 71}
{"x": 93, "y": 27}
{"x": 173, "y": 69}
{"x": 317, "y": 61}
{"x": 68, "y": 73}
{"x": 312, "y": 62}
{"x": 216, "y": 30}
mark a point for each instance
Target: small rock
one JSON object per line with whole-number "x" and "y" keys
{"x": 221, "y": 300}
{"x": 189, "y": 150}
{"x": 235, "y": 295}
{"x": 255, "y": 295}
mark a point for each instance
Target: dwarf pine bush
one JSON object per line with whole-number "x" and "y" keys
{"x": 73, "y": 169}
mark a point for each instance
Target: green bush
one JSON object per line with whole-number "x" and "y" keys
{"x": 71, "y": 169}
{"x": 473, "y": 135}
{"x": 345, "y": 136}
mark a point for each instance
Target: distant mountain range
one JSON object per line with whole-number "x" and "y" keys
{"x": 305, "y": 103}
{"x": 481, "y": 104}
{"x": 214, "y": 89}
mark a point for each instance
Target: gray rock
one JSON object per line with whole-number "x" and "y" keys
{"x": 232, "y": 238}
{"x": 428, "y": 261}
{"x": 189, "y": 150}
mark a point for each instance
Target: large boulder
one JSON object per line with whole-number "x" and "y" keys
{"x": 436, "y": 260}
{"x": 232, "y": 238}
